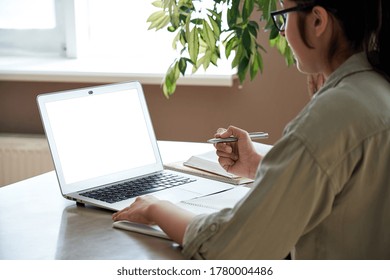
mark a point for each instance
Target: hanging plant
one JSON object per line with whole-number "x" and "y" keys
{"x": 203, "y": 27}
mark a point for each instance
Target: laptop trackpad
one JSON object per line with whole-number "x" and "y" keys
{"x": 189, "y": 191}
{"x": 176, "y": 194}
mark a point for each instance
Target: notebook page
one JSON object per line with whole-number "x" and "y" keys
{"x": 215, "y": 202}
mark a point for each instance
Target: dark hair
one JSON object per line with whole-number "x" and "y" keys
{"x": 365, "y": 23}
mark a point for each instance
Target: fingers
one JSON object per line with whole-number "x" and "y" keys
{"x": 226, "y": 156}
{"x": 223, "y": 148}
{"x": 116, "y": 214}
{"x": 226, "y": 163}
{"x": 227, "y": 153}
{"x": 231, "y": 131}
{"x": 122, "y": 214}
{"x": 131, "y": 216}
{"x": 227, "y": 132}
{"x": 137, "y": 211}
{"x": 221, "y": 130}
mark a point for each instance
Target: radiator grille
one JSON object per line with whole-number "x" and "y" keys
{"x": 22, "y": 157}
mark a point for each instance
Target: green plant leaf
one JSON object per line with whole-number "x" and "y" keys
{"x": 171, "y": 78}
{"x": 218, "y": 16}
{"x": 233, "y": 13}
{"x": 253, "y": 28}
{"x": 197, "y": 21}
{"x": 202, "y": 37}
{"x": 206, "y": 59}
{"x": 216, "y": 26}
{"x": 246, "y": 40}
{"x": 239, "y": 55}
{"x": 198, "y": 64}
{"x": 193, "y": 44}
{"x": 160, "y": 22}
{"x": 182, "y": 38}
{"x": 230, "y": 45}
{"x": 182, "y": 66}
{"x": 215, "y": 56}
{"x": 256, "y": 65}
{"x": 289, "y": 57}
{"x": 155, "y": 16}
{"x": 274, "y": 33}
{"x": 243, "y": 69}
{"x": 175, "y": 40}
{"x": 158, "y": 4}
{"x": 208, "y": 35}
{"x": 247, "y": 9}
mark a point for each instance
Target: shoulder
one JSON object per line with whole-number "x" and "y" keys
{"x": 342, "y": 117}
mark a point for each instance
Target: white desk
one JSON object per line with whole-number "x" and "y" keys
{"x": 36, "y": 222}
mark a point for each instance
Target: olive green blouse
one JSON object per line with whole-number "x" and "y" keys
{"x": 323, "y": 190}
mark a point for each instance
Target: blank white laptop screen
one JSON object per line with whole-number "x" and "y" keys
{"x": 82, "y": 126}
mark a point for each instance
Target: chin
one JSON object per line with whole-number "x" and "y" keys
{"x": 299, "y": 67}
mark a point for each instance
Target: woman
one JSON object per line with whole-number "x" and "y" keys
{"x": 323, "y": 191}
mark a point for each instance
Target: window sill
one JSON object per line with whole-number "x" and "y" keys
{"x": 90, "y": 70}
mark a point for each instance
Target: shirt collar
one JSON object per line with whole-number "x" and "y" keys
{"x": 354, "y": 64}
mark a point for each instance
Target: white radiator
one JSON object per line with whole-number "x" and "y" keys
{"x": 23, "y": 156}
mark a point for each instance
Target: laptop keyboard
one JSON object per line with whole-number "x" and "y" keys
{"x": 129, "y": 189}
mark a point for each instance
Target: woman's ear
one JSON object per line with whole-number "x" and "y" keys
{"x": 320, "y": 20}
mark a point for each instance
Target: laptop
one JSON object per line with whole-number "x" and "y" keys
{"x": 105, "y": 151}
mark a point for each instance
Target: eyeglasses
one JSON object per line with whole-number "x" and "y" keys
{"x": 279, "y": 17}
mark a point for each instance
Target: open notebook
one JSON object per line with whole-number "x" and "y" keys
{"x": 206, "y": 165}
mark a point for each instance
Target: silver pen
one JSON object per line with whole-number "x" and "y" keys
{"x": 252, "y": 135}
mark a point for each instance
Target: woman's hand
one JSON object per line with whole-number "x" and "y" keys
{"x": 239, "y": 158}
{"x": 147, "y": 209}
{"x": 138, "y": 211}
